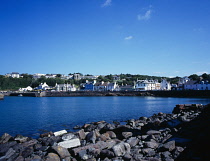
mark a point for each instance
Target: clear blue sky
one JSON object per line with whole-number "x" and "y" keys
{"x": 150, "y": 37}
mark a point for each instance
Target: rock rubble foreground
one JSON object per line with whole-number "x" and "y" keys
{"x": 182, "y": 135}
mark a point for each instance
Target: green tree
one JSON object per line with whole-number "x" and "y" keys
{"x": 205, "y": 76}
{"x": 194, "y": 77}
{"x": 58, "y": 75}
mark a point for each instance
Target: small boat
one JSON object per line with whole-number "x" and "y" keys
{"x": 20, "y": 95}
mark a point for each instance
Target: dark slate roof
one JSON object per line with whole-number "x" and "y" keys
{"x": 190, "y": 82}
{"x": 97, "y": 84}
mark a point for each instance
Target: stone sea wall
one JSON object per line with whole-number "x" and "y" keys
{"x": 1, "y": 96}
{"x": 96, "y": 93}
{"x": 189, "y": 93}
{"x": 182, "y": 135}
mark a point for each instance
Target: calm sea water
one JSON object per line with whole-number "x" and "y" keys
{"x": 30, "y": 116}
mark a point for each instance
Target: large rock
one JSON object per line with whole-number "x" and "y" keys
{"x": 52, "y": 157}
{"x": 144, "y": 137}
{"x": 127, "y": 134}
{"x": 153, "y": 132}
{"x": 68, "y": 136}
{"x": 21, "y": 139}
{"x": 5, "y": 147}
{"x": 97, "y": 133}
{"x": 8, "y": 154}
{"x": 83, "y": 155}
{"x": 133, "y": 141}
{"x": 5, "y": 138}
{"x": 58, "y": 133}
{"x": 131, "y": 123}
{"x": 30, "y": 143}
{"x": 91, "y": 137}
{"x": 138, "y": 157}
{"x": 90, "y": 127}
{"x": 109, "y": 127}
{"x": 166, "y": 155}
{"x": 99, "y": 145}
{"x": 81, "y": 134}
{"x": 70, "y": 143}
{"x": 101, "y": 125}
{"x": 50, "y": 141}
{"x": 102, "y": 138}
{"x": 93, "y": 152}
{"x": 148, "y": 152}
{"x": 20, "y": 158}
{"x": 177, "y": 151}
{"x": 18, "y": 148}
{"x": 48, "y": 134}
{"x": 121, "y": 149}
{"x": 112, "y": 135}
{"x": 150, "y": 144}
{"x": 169, "y": 146}
{"x": 184, "y": 118}
{"x": 27, "y": 152}
{"x": 62, "y": 152}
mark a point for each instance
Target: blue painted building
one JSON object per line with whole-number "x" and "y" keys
{"x": 89, "y": 86}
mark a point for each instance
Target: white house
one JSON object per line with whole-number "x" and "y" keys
{"x": 195, "y": 85}
{"x": 38, "y": 75}
{"x": 43, "y": 86}
{"x": 65, "y": 87}
{"x": 183, "y": 80}
{"x": 102, "y": 86}
{"x": 106, "y": 86}
{"x": 13, "y": 75}
{"x": 113, "y": 87}
{"x": 165, "y": 85}
{"x": 50, "y": 75}
{"x": 89, "y": 77}
{"x": 116, "y": 77}
{"x": 146, "y": 85}
{"x": 77, "y": 76}
{"x": 203, "y": 85}
{"x": 26, "y": 89}
{"x": 70, "y": 76}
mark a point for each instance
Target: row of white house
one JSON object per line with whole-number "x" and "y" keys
{"x": 140, "y": 85}
{"x": 44, "y": 86}
{"x": 147, "y": 85}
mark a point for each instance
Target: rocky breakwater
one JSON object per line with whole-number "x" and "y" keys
{"x": 167, "y": 137}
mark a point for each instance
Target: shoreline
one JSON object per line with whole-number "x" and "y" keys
{"x": 187, "y": 93}
{"x": 181, "y": 135}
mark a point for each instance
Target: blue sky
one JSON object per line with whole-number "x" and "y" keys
{"x": 149, "y": 37}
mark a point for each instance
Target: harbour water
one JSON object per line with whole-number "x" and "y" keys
{"x": 30, "y": 116}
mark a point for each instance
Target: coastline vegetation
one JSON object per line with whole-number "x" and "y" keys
{"x": 9, "y": 83}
